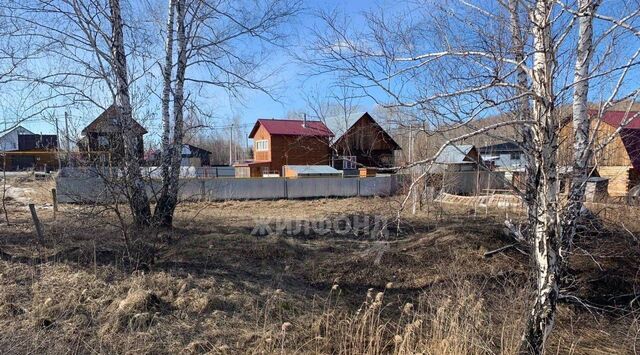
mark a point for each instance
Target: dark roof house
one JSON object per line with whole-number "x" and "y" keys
{"x": 507, "y": 155}
{"x": 361, "y": 142}
{"x": 23, "y": 149}
{"x": 106, "y": 122}
{"x": 102, "y": 138}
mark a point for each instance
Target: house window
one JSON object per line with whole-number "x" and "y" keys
{"x": 348, "y": 162}
{"x": 515, "y": 156}
{"x": 103, "y": 141}
{"x": 262, "y": 145}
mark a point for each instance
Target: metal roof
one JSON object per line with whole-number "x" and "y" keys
{"x": 506, "y": 147}
{"x": 454, "y": 154}
{"x": 313, "y": 169}
{"x": 616, "y": 118}
{"x": 292, "y": 128}
{"x": 106, "y": 123}
{"x": 341, "y": 123}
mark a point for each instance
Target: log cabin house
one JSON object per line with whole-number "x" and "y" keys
{"x": 280, "y": 142}
{"x": 361, "y": 142}
{"x": 619, "y": 160}
{"x": 102, "y": 140}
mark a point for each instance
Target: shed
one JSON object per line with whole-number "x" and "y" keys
{"x": 194, "y": 156}
{"x": 295, "y": 171}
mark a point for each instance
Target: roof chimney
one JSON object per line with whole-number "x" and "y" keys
{"x": 304, "y": 120}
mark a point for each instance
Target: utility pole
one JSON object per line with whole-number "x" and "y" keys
{"x": 66, "y": 129}
{"x": 58, "y": 143}
{"x": 231, "y": 144}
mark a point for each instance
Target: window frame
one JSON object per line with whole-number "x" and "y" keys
{"x": 349, "y": 162}
{"x": 259, "y": 143}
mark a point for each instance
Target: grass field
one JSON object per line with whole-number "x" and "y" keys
{"x": 210, "y": 286}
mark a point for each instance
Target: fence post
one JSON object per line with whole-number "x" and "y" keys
{"x": 54, "y": 197}
{"x": 36, "y": 222}
{"x": 203, "y": 191}
{"x": 286, "y": 188}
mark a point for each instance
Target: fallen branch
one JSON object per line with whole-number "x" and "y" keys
{"x": 492, "y": 252}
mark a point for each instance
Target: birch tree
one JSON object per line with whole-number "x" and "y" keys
{"x": 212, "y": 38}
{"x": 462, "y": 60}
{"x": 138, "y": 201}
{"x": 546, "y": 234}
{"x": 92, "y": 58}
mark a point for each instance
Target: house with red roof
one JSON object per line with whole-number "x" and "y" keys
{"x": 618, "y": 132}
{"x": 280, "y": 142}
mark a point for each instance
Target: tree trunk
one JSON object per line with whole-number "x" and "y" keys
{"x": 167, "y": 148}
{"x": 524, "y": 114}
{"x": 545, "y": 243}
{"x": 138, "y": 201}
{"x": 581, "y": 123}
{"x": 167, "y": 203}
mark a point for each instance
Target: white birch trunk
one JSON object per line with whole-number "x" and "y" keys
{"x": 545, "y": 243}
{"x": 138, "y": 200}
{"x": 524, "y": 112}
{"x": 167, "y": 146}
{"x": 581, "y": 123}
{"x": 168, "y": 201}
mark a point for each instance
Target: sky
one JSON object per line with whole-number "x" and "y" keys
{"x": 293, "y": 83}
{"x": 252, "y": 105}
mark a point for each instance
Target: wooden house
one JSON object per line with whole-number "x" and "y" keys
{"x": 619, "y": 159}
{"x": 361, "y": 142}
{"x": 22, "y": 149}
{"x": 103, "y": 141}
{"x": 280, "y": 142}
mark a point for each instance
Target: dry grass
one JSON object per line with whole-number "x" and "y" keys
{"x": 210, "y": 287}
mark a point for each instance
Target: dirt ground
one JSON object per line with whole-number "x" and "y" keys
{"x": 239, "y": 277}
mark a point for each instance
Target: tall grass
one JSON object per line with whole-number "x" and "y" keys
{"x": 453, "y": 321}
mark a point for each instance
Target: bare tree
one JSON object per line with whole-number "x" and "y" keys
{"x": 462, "y": 61}
{"x": 211, "y": 36}
{"x": 139, "y": 202}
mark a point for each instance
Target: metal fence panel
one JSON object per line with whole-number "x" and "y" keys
{"x": 93, "y": 189}
{"x": 377, "y": 186}
{"x": 83, "y": 190}
{"x": 322, "y": 187}
{"x": 244, "y": 189}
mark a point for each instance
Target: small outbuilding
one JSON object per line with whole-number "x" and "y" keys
{"x": 455, "y": 158}
{"x": 596, "y": 189}
{"x": 194, "y": 156}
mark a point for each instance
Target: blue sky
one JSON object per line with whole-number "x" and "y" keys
{"x": 253, "y": 104}
{"x": 290, "y": 75}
